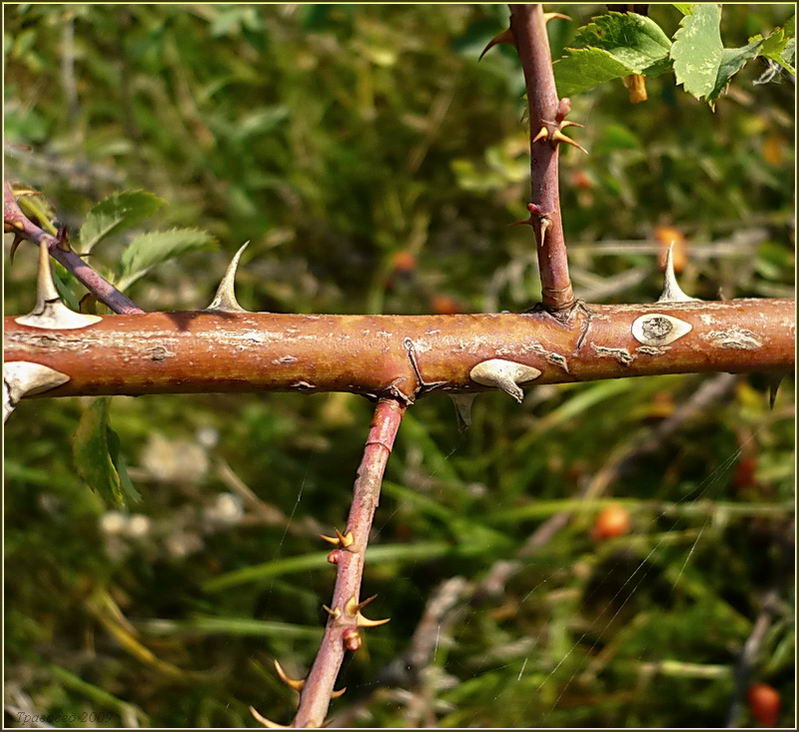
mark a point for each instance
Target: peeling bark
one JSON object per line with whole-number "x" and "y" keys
{"x": 397, "y": 356}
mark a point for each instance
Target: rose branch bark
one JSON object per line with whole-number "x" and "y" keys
{"x": 198, "y": 351}
{"x": 14, "y": 220}
{"x": 342, "y": 633}
{"x": 528, "y": 26}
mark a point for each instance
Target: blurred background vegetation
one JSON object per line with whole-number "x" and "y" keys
{"x": 376, "y": 166}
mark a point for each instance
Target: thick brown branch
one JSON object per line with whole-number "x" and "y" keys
{"x": 400, "y": 356}
{"x": 15, "y": 221}
{"x": 528, "y": 26}
{"x": 342, "y": 631}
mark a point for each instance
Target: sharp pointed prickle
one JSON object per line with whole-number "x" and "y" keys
{"x": 505, "y": 37}
{"x": 558, "y": 136}
{"x": 544, "y": 224}
{"x": 21, "y": 378}
{"x": 353, "y": 609}
{"x": 773, "y": 387}
{"x": 505, "y": 375}
{"x": 295, "y": 684}
{"x": 268, "y": 723}
{"x": 18, "y": 239}
{"x": 569, "y": 123}
{"x": 463, "y": 408}
{"x": 338, "y": 693}
{"x": 50, "y": 312}
{"x": 339, "y": 540}
{"x": 552, "y": 16}
{"x": 543, "y": 133}
{"x": 671, "y": 290}
{"x": 363, "y": 622}
{"x": 225, "y": 299}
{"x": 335, "y": 614}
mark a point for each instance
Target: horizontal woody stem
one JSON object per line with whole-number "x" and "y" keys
{"x": 397, "y": 356}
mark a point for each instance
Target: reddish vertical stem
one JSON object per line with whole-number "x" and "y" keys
{"x": 315, "y": 697}
{"x": 530, "y": 37}
{"x": 14, "y": 220}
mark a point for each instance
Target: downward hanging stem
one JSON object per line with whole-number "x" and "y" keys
{"x": 528, "y": 27}
{"x": 316, "y": 693}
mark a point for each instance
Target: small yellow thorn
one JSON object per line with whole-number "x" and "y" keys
{"x": 552, "y": 16}
{"x": 558, "y": 136}
{"x": 337, "y": 694}
{"x": 335, "y": 614}
{"x": 295, "y": 684}
{"x": 505, "y": 37}
{"x": 345, "y": 540}
{"x": 569, "y": 123}
{"x": 363, "y": 622}
{"x": 268, "y": 723}
{"x": 351, "y": 608}
{"x": 342, "y": 540}
{"x": 543, "y": 133}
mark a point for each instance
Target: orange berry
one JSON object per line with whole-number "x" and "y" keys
{"x": 774, "y": 150}
{"x": 666, "y": 236}
{"x": 764, "y": 704}
{"x": 403, "y": 261}
{"x": 611, "y": 522}
{"x": 580, "y": 179}
{"x": 745, "y": 473}
{"x": 445, "y": 305}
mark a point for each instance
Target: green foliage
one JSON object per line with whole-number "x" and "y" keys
{"x": 697, "y": 50}
{"x": 116, "y": 213}
{"x": 148, "y": 250}
{"x": 96, "y": 449}
{"x": 619, "y": 44}
{"x": 614, "y": 45}
{"x": 381, "y": 134}
{"x": 780, "y": 45}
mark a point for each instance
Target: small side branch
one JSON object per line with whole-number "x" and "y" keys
{"x": 547, "y": 114}
{"x": 15, "y": 221}
{"x": 343, "y": 627}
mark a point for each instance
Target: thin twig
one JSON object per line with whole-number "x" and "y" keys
{"x": 528, "y": 27}
{"x": 748, "y": 657}
{"x": 341, "y": 633}
{"x": 14, "y": 220}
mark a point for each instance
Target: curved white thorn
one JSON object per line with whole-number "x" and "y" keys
{"x": 21, "y": 378}
{"x": 225, "y": 299}
{"x": 49, "y": 311}
{"x": 671, "y": 290}
{"x": 505, "y": 375}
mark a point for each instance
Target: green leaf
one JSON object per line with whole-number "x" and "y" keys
{"x": 148, "y": 250}
{"x": 585, "y": 68}
{"x": 779, "y": 46}
{"x": 697, "y": 50}
{"x": 118, "y": 459}
{"x": 92, "y": 449}
{"x": 114, "y": 214}
{"x": 685, "y": 8}
{"x": 732, "y": 61}
{"x": 634, "y": 40}
{"x": 612, "y": 46}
